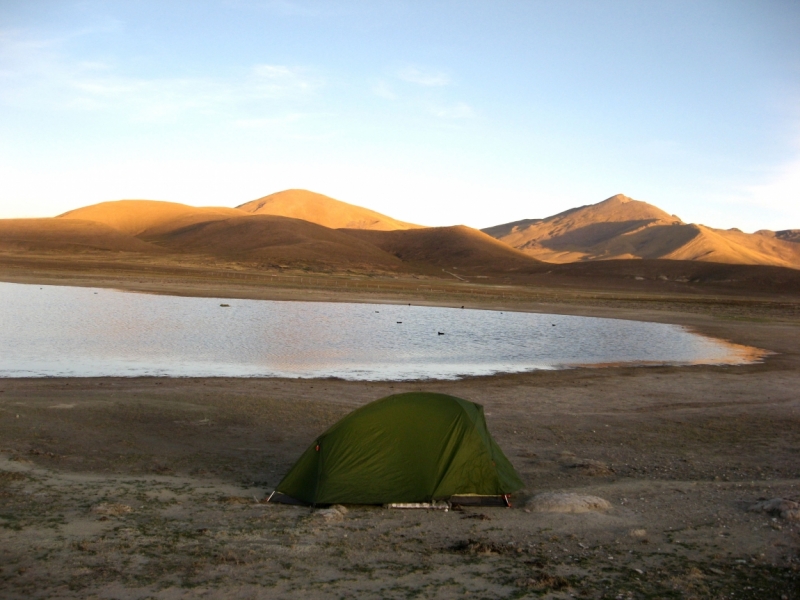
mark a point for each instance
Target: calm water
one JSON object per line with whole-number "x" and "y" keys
{"x": 72, "y": 331}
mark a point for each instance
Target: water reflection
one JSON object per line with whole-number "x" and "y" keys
{"x": 71, "y": 331}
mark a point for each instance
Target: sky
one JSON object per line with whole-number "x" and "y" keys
{"x": 433, "y": 112}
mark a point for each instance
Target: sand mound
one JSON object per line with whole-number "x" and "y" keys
{"x": 66, "y": 236}
{"x": 568, "y": 503}
{"x": 148, "y": 217}
{"x": 322, "y": 210}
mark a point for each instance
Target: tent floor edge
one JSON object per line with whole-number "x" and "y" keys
{"x": 452, "y": 502}
{"x": 280, "y": 498}
{"x": 475, "y": 500}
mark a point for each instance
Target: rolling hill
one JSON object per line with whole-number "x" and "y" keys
{"x": 148, "y": 217}
{"x": 252, "y": 234}
{"x": 277, "y": 240}
{"x": 322, "y": 210}
{"x": 459, "y": 247}
{"x": 588, "y": 243}
{"x": 787, "y": 235}
{"x": 622, "y": 228}
{"x": 67, "y": 236}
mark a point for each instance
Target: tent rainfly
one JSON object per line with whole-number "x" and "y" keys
{"x": 406, "y": 448}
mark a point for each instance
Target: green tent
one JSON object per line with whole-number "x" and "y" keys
{"x": 415, "y": 447}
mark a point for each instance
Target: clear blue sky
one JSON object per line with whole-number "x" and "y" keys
{"x": 433, "y": 112}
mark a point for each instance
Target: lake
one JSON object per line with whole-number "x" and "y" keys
{"x": 64, "y": 331}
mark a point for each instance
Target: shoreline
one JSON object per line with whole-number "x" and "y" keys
{"x": 154, "y": 486}
{"x": 740, "y": 353}
{"x": 705, "y": 315}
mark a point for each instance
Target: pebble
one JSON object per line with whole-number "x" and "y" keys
{"x": 779, "y": 507}
{"x": 568, "y": 503}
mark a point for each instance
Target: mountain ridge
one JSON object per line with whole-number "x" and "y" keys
{"x": 620, "y": 227}
{"x": 252, "y": 234}
{"x": 617, "y": 228}
{"x": 323, "y": 210}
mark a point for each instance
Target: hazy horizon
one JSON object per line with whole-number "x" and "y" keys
{"x": 432, "y": 113}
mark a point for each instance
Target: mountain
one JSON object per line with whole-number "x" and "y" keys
{"x": 625, "y": 213}
{"x": 252, "y": 234}
{"x": 622, "y": 228}
{"x": 67, "y": 236}
{"x": 310, "y": 237}
{"x": 277, "y": 240}
{"x": 148, "y": 217}
{"x": 735, "y": 247}
{"x": 322, "y": 210}
{"x": 229, "y": 234}
{"x": 787, "y": 235}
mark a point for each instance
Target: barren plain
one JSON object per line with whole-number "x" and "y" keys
{"x": 155, "y": 488}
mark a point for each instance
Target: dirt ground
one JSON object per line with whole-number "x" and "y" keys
{"x": 155, "y": 487}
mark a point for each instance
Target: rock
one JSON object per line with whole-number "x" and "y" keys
{"x": 334, "y": 514}
{"x": 568, "y": 503}
{"x": 587, "y": 466}
{"x": 779, "y": 507}
{"x": 329, "y": 514}
{"x": 543, "y": 581}
{"x": 485, "y": 548}
{"x": 111, "y": 508}
{"x": 637, "y": 533}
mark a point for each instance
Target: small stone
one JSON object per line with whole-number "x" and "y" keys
{"x": 334, "y": 514}
{"x": 111, "y": 508}
{"x": 568, "y": 503}
{"x": 329, "y": 514}
{"x": 637, "y": 533}
{"x": 779, "y": 507}
{"x": 587, "y": 466}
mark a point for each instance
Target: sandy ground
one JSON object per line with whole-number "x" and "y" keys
{"x": 154, "y": 488}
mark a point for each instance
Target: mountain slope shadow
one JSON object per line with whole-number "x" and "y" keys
{"x": 277, "y": 239}
{"x": 458, "y": 247}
